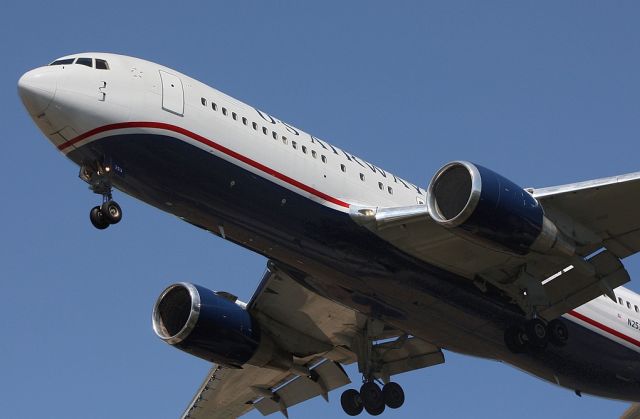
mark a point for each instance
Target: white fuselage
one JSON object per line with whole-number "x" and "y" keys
{"x": 619, "y": 321}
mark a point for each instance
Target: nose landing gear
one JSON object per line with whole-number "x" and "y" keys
{"x": 102, "y": 216}
{"x": 98, "y": 176}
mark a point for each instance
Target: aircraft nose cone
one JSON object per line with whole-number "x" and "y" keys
{"x": 36, "y": 89}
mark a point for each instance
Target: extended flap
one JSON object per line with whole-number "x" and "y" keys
{"x": 411, "y": 355}
{"x": 574, "y": 288}
{"x": 324, "y": 378}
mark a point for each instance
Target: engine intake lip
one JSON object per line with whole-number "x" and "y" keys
{"x": 456, "y": 208}
{"x": 174, "y": 318}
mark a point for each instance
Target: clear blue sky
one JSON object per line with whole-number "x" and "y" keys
{"x": 543, "y": 92}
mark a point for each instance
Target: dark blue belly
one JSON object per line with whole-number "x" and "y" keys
{"x": 336, "y": 257}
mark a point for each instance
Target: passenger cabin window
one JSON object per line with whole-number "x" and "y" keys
{"x": 214, "y": 106}
{"x": 304, "y": 149}
{"x": 284, "y": 139}
{"x": 637, "y": 310}
{"x": 323, "y": 158}
{"x": 343, "y": 168}
{"x": 628, "y": 305}
{"x": 224, "y": 111}
{"x": 234, "y": 116}
{"x": 274, "y": 135}
{"x": 314, "y": 154}
{"x": 85, "y": 61}
{"x": 380, "y": 185}
{"x": 203, "y": 101}
{"x": 390, "y": 190}
{"x": 620, "y": 300}
{"x": 64, "y": 61}
{"x": 294, "y": 144}
{"x": 362, "y": 177}
{"x": 265, "y": 131}
{"x": 101, "y": 64}
{"x": 244, "y": 120}
{"x": 255, "y": 126}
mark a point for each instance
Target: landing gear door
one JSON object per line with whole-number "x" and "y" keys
{"x": 172, "y": 93}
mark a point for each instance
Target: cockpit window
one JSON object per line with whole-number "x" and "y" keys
{"x": 64, "y": 61}
{"x": 101, "y": 64}
{"x": 85, "y": 61}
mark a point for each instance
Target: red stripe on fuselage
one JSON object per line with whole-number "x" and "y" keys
{"x": 603, "y": 327}
{"x": 209, "y": 143}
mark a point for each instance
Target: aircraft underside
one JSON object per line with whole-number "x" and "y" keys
{"x": 331, "y": 254}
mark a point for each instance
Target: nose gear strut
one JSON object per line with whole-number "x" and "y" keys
{"x": 98, "y": 176}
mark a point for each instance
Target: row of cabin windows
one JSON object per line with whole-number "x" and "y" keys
{"x": 628, "y": 305}
{"x": 265, "y": 130}
{"x": 294, "y": 144}
{"x": 362, "y": 178}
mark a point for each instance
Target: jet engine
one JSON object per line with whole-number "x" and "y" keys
{"x": 487, "y": 207}
{"x": 212, "y": 326}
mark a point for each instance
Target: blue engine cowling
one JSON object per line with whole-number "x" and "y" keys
{"x": 487, "y": 206}
{"x": 205, "y": 324}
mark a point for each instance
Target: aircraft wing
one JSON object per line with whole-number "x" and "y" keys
{"x": 321, "y": 334}
{"x": 230, "y": 393}
{"x": 600, "y": 216}
{"x": 608, "y": 208}
{"x": 226, "y": 391}
{"x": 633, "y": 412}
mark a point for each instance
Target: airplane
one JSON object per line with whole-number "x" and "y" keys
{"x": 363, "y": 266}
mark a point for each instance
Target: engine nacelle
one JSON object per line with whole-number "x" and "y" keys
{"x": 489, "y": 207}
{"x": 213, "y": 327}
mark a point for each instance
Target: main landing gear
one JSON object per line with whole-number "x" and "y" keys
{"x": 371, "y": 397}
{"x": 102, "y": 216}
{"x": 535, "y": 334}
{"x": 98, "y": 176}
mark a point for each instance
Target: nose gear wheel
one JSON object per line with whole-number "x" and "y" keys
{"x": 98, "y": 218}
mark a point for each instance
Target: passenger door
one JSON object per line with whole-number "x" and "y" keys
{"x": 172, "y": 93}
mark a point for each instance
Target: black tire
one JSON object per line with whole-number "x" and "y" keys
{"x": 372, "y": 398}
{"x": 112, "y": 212}
{"x": 98, "y": 219}
{"x": 514, "y": 338}
{"x": 351, "y": 402}
{"x": 393, "y": 395}
{"x": 558, "y": 332}
{"x": 537, "y": 333}
{"x": 376, "y": 410}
